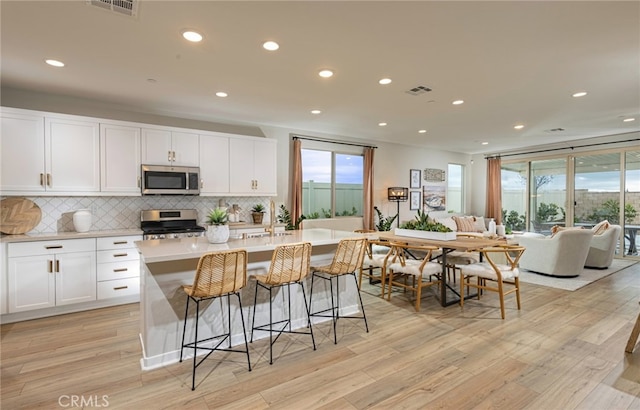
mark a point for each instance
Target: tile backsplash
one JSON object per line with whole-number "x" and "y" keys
{"x": 124, "y": 212}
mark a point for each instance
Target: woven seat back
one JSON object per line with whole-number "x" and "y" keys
{"x": 348, "y": 256}
{"x": 219, "y": 273}
{"x": 289, "y": 263}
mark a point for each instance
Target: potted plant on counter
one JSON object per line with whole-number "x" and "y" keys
{"x": 257, "y": 213}
{"x": 218, "y": 228}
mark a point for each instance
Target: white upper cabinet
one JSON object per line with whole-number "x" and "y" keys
{"x": 214, "y": 164}
{"x": 253, "y": 167}
{"x": 164, "y": 147}
{"x": 57, "y": 155}
{"x": 22, "y": 153}
{"x": 120, "y": 159}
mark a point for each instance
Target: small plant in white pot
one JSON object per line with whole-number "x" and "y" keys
{"x": 218, "y": 228}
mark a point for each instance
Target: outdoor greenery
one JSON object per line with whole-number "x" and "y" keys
{"x": 549, "y": 213}
{"x": 513, "y": 221}
{"x": 384, "y": 222}
{"x": 422, "y": 223}
{"x": 610, "y": 210}
{"x": 217, "y": 216}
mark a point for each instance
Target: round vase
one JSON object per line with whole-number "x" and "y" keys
{"x": 217, "y": 233}
{"x": 82, "y": 220}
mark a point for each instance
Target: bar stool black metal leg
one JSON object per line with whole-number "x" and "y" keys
{"x": 184, "y": 327}
{"x": 364, "y": 316}
{"x": 244, "y": 331}
{"x": 307, "y": 309}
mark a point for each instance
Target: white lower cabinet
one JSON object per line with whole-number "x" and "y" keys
{"x": 45, "y": 274}
{"x": 118, "y": 265}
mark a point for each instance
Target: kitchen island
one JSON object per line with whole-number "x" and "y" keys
{"x": 167, "y": 264}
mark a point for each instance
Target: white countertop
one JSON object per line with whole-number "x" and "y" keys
{"x": 163, "y": 250}
{"x": 68, "y": 235}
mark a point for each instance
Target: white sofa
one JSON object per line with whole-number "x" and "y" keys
{"x": 563, "y": 254}
{"x": 603, "y": 247}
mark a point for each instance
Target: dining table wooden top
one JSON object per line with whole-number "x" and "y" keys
{"x": 461, "y": 243}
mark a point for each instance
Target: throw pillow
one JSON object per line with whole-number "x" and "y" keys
{"x": 465, "y": 223}
{"x": 557, "y": 228}
{"x": 600, "y": 227}
{"x": 448, "y": 222}
{"x": 479, "y": 225}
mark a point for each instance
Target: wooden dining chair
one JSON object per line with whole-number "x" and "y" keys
{"x": 219, "y": 274}
{"x": 493, "y": 276}
{"x": 413, "y": 274}
{"x": 346, "y": 261}
{"x": 289, "y": 265}
{"x": 375, "y": 262}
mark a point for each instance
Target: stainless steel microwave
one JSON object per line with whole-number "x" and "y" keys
{"x": 170, "y": 180}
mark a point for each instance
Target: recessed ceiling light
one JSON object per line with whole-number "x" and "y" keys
{"x": 518, "y": 127}
{"x": 382, "y": 124}
{"x": 221, "y": 94}
{"x": 458, "y": 102}
{"x": 628, "y": 119}
{"x": 316, "y": 112}
{"x": 192, "y": 36}
{"x": 485, "y": 143}
{"x": 325, "y": 73}
{"x": 54, "y": 63}
{"x": 271, "y": 45}
{"x": 385, "y": 81}
{"x": 579, "y": 94}
{"x": 422, "y": 131}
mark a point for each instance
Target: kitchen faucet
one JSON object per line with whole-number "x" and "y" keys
{"x": 272, "y": 218}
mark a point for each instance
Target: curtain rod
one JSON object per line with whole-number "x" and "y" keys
{"x": 300, "y": 137}
{"x": 558, "y": 149}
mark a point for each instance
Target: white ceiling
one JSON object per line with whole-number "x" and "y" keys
{"x": 511, "y": 62}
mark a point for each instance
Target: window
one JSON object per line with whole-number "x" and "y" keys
{"x": 455, "y": 188}
{"x": 332, "y": 184}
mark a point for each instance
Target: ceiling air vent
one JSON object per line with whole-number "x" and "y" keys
{"x": 555, "y": 130}
{"x": 126, "y": 7}
{"x": 421, "y": 89}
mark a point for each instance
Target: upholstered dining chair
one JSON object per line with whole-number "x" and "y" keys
{"x": 289, "y": 265}
{"x": 412, "y": 274}
{"x": 493, "y": 276}
{"x": 346, "y": 261}
{"x": 374, "y": 265}
{"x": 218, "y": 274}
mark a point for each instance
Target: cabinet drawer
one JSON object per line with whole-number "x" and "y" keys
{"x": 51, "y": 247}
{"x": 120, "y": 287}
{"x": 118, "y": 270}
{"x": 117, "y": 242}
{"x": 115, "y": 255}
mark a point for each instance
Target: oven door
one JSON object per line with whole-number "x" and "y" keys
{"x": 167, "y": 180}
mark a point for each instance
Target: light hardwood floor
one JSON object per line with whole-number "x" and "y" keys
{"x": 563, "y": 350}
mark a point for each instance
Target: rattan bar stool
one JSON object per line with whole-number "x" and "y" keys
{"x": 346, "y": 261}
{"x": 289, "y": 265}
{"x": 218, "y": 274}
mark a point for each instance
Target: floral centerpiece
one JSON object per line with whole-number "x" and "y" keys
{"x": 423, "y": 228}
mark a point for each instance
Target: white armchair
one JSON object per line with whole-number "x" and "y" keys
{"x": 603, "y": 247}
{"x": 564, "y": 254}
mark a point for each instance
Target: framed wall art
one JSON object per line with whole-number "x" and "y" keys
{"x": 434, "y": 175}
{"x": 414, "y": 178}
{"x": 434, "y": 197}
{"x": 414, "y": 200}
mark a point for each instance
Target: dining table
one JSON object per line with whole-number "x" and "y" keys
{"x": 461, "y": 243}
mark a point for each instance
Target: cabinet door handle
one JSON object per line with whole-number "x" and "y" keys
{"x": 121, "y": 287}
{"x": 121, "y": 242}
{"x": 174, "y": 155}
{"x": 121, "y": 270}
{"x": 41, "y": 179}
{"x": 53, "y": 247}
{"x": 169, "y": 156}
{"x": 50, "y": 266}
{"x": 119, "y": 255}
{"x": 49, "y": 179}
{"x": 201, "y": 183}
{"x": 57, "y": 265}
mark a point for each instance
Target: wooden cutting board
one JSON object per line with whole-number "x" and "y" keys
{"x": 19, "y": 215}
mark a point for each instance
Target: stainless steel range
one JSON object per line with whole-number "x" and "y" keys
{"x": 170, "y": 223}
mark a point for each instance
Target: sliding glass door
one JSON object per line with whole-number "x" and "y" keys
{"x": 632, "y": 203}
{"x": 548, "y": 194}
